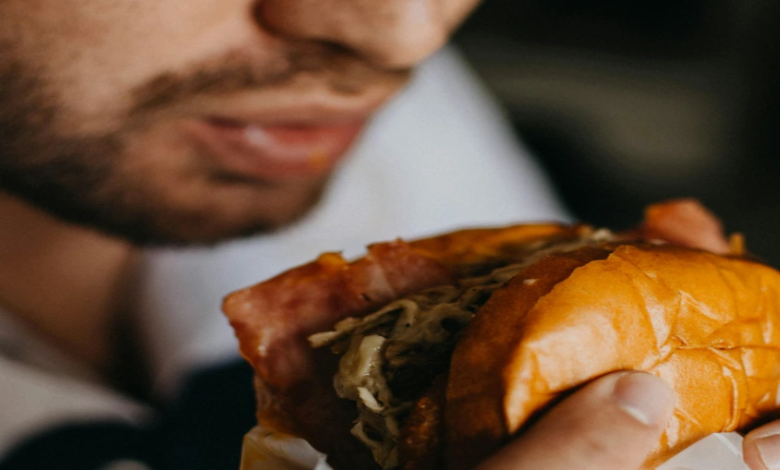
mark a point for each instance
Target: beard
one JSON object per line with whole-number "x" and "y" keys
{"x": 91, "y": 180}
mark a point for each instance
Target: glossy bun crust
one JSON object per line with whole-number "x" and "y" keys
{"x": 707, "y": 324}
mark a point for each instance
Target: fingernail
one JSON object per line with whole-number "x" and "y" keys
{"x": 769, "y": 450}
{"x": 644, "y": 397}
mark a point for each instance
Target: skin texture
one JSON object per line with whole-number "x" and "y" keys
{"x": 761, "y": 447}
{"x": 608, "y": 425}
{"x": 97, "y": 97}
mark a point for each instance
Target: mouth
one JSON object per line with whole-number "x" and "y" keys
{"x": 277, "y": 151}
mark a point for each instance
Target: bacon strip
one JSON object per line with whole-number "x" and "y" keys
{"x": 685, "y": 222}
{"x": 272, "y": 321}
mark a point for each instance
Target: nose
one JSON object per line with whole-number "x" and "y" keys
{"x": 390, "y": 33}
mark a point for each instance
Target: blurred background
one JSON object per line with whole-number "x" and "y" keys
{"x": 626, "y": 103}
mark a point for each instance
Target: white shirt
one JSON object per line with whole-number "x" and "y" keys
{"x": 439, "y": 157}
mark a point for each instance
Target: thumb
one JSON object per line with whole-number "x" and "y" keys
{"x": 761, "y": 447}
{"x": 610, "y": 424}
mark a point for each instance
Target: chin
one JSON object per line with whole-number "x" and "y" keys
{"x": 220, "y": 217}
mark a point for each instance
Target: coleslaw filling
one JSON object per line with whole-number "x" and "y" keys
{"x": 390, "y": 357}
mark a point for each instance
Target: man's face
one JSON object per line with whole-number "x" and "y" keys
{"x": 196, "y": 120}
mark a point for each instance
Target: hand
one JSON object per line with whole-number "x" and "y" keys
{"x": 611, "y": 424}
{"x": 761, "y": 447}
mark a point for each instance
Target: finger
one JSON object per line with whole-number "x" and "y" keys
{"x": 761, "y": 447}
{"x": 611, "y": 424}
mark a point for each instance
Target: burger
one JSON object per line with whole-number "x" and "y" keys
{"x": 432, "y": 354}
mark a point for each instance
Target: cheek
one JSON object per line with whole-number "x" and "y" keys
{"x": 92, "y": 53}
{"x": 457, "y": 10}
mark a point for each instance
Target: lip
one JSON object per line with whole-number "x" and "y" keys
{"x": 277, "y": 150}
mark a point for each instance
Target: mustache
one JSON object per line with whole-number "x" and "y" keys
{"x": 340, "y": 69}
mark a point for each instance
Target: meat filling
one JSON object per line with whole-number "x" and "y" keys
{"x": 390, "y": 357}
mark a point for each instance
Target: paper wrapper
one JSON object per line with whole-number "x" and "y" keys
{"x": 266, "y": 449}
{"x": 714, "y": 452}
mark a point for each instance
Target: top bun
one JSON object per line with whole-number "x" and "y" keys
{"x": 707, "y": 324}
